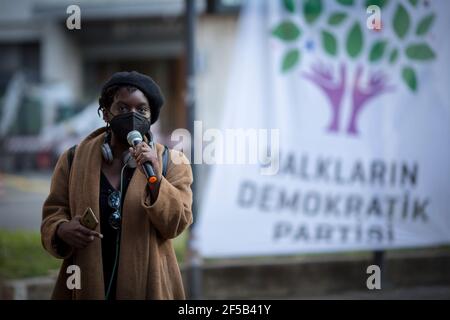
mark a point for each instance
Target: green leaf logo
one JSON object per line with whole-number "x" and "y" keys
{"x": 380, "y": 3}
{"x": 425, "y": 25}
{"x": 377, "y": 51}
{"x": 410, "y": 78}
{"x": 345, "y": 2}
{"x": 401, "y": 21}
{"x": 312, "y": 10}
{"x": 355, "y": 41}
{"x": 287, "y": 31}
{"x": 289, "y": 5}
{"x": 394, "y": 56}
{"x": 329, "y": 43}
{"x": 291, "y": 58}
{"x": 337, "y": 18}
{"x": 420, "y": 52}
{"x": 403, "y": 24}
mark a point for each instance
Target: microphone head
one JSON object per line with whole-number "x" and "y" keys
{"x": 134, "y": 137}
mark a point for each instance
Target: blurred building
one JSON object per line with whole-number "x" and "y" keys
{"x": 49, "y": 73}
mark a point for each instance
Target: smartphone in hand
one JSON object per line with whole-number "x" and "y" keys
{"x": 89, "y": 220}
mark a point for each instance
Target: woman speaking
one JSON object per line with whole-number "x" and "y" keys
{"x": 112, "y": 222}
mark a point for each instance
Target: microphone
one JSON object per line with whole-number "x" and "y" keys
{"x": 134, "y": 138}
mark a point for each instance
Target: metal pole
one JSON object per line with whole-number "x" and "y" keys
{"x": 193, "y": 258}
{"x": 379, "y": 260}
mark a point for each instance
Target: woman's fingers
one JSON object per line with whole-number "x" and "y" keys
{"x": 143, "y": 153}
{"x": 77, "y": 235}
{"x": 97, "y": 234}
{"x": 84, "y": 238}
{"x": 146, "y": 156}
{"x": 78, "y": 243}
{"x": 84, "y": 230}
{"x": 141, "y": 156}
{"x": 142, "y": 147}
{"x": 89, "y": 232}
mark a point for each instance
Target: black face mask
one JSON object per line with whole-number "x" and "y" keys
{"x": 122, "y": 124}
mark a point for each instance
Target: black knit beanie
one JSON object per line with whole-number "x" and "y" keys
{"x": 144, "y": 83}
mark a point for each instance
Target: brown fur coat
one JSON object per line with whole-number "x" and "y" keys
{"x": 148, "y": 267}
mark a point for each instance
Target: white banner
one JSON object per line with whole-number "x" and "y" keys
{"x": 360, "y": 97}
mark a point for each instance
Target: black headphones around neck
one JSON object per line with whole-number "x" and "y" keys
{"x": 106, "y": 148}
{"x": 107, "y": 152}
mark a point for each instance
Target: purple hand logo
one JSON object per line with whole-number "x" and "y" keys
{"x": 334, "y": 84}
